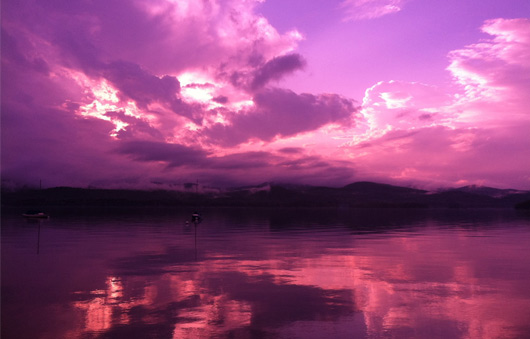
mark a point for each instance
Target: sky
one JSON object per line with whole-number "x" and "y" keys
{"x": 159, "y": 93}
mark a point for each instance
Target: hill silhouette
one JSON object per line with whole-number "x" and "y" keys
{"x": 358, "y": 194}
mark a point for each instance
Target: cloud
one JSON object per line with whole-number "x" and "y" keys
{"x": 174, "y": 38}
{"x": 492, "y": 77}
{"x": 173, "y": 154}
{"x": 128, "y": 91}
{"x": 495, "y": 72}
{"x": 91, "y": 32}
{"x": 260, "y": 74}
{"x": 370, "y": 9}
{"x": 275, "y": 69}
{"x": 57, "y": 148}
{"x": 473, "y": 135}
{"x": 442, "y": 156}
{"x": 137, "y": 84}
{"x": 116, "y": 67}
{"x": 136, "y": 128}
{"x": 291, "y": 150}
{"x": 250, "y": 167}
{"x": 282, "y": 113}
{"x": 397, "y": 104}
{"x": 12, "y": 53}
{"x": 176, "y": 155}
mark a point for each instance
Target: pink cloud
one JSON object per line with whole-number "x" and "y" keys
{"x": 69, "y": 64}
{"x": 397, "y": 104}
{"x": 494, "y": 75}
{"x": 210, "y": 32}
{"x": 496, "y": 69}
{"x": 477, "y": 134}
{"x": 441, "y": 156}
{"x": 370, "y": 9}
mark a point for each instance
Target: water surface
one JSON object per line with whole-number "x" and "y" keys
{"x": 260, "y": 273}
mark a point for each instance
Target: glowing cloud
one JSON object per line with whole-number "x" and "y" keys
{"x": 417, "y": 131}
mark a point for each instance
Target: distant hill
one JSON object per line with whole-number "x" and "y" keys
{"x": 488, "y": 191}
{"x": 372, "y": 187}
{"x": 358, "y": 194}
{"x": 370, "y": 191}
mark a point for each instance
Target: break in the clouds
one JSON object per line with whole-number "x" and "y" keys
{"x": 128, "y": 93}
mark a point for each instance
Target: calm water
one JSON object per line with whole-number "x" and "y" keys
{"x": 267, "y": 274}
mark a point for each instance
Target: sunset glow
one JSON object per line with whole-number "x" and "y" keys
{"x": 415, "y": 93}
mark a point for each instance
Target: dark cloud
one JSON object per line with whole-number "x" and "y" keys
{"x": 261, "y": 73}
{"x": 426, "y": 116}
{"x": 246, "y": 160}
{"x": 237, "y": 168}
{"x": 304, "y": 162}
{"x": 291, "y": 150}
{"x": 141, "y": 86}
{"x": 281, "y": 112}
{"x": 221, "y": 99}
{"x": 56, "y": 53}
{"x": 174, "y": 155}
{"x": 54, "y": 146}
{"x": 86, "y": 37}
{"x": 327, "y": 173}
{"x": 77, "y": 51}
{"x": 275, "y": 69}
{"x": 93, "y": 33}
{"x": 12, "y": 53}
{"x": 144, "y": 88}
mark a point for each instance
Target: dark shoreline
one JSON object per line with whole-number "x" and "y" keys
{"x": 357, "y": 195}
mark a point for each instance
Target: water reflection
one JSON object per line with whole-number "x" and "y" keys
{"x": 258, "y": 275}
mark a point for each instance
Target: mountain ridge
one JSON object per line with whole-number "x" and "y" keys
{"x": 354, "y": 195}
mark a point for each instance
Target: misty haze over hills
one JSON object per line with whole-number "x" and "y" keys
{"x": 355, "y": 195}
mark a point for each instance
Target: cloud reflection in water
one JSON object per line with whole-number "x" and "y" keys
{"x": 435, "y": 278}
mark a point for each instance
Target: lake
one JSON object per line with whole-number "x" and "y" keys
{"x": 266, "y": 273}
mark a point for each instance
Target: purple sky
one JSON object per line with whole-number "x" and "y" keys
{"x": 145, "y": 94}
